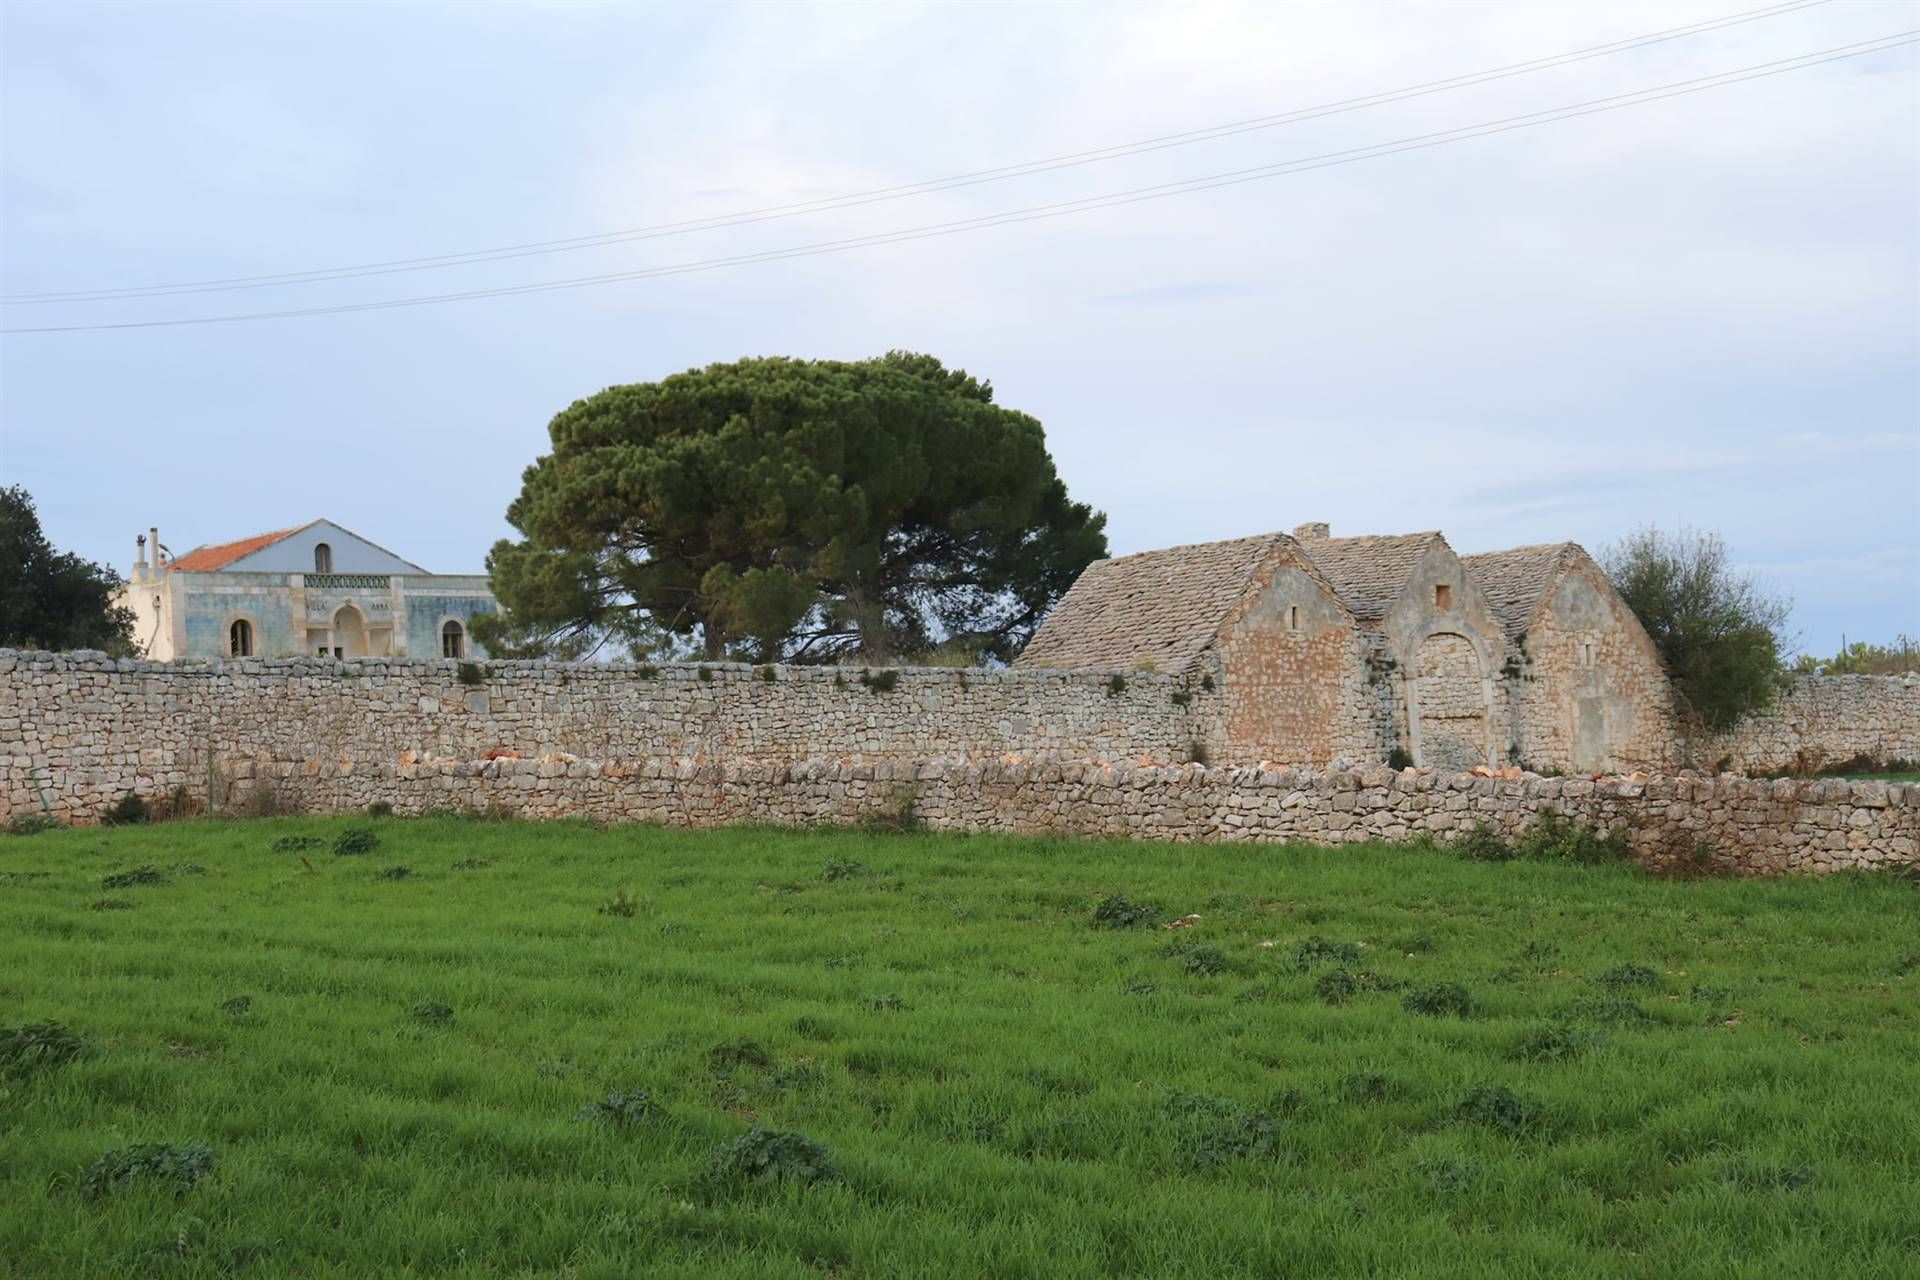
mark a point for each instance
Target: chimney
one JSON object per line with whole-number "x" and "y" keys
{"x": 140, "y": 557}
{"x": 153, "y": 536}
{"x": 1313, "y": 531}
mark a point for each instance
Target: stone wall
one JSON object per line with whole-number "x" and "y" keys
{"x": 818, "y": 746}
{"x": 85, "y": 730}
{"x": 1823, "y": 721}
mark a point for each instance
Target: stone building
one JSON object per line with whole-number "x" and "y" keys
{"x": 1322, "y": 648}
{"x": 315, "y": 589}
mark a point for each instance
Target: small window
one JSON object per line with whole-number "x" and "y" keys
{"x": 453, "y": 641}
{"x": 322, "y": 558}
{"x": 1443, "y": 596}
{"x": 1589, "y": 652}
{"x": 1293, "y": 617}
{"x": 240, "y": 638}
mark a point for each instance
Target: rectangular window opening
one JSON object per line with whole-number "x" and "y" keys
{"x": 1443, "y": 596}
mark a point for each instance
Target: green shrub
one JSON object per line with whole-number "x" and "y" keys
{"x": 1554, "y": 837}
{"x": 471, "y": 674}
{"x": 1200, "y": 958}
{"x": 1399, "y": 758}
{"x": 1116, "y": 911}
{"x": 161, "y": 1162}
{"x": 130, "y": 810}
{"x": 896, "y": 813}
{"x": 706, "y": 674}
{"x": 730, "y": 1055}
{"x": 1116, "y": 685}
{"x": 767, "y": 1155}
{"x": 880, "y": 681}
{"x": 296, "y": 844}
{"x": 380, "y": 809}
{"x": 31, "y": 824}
{"x": 1337, "y": 986}
{"x": 768, "y": 673}
{"x": 1442, "y": 999}
{"x": 355, "y": 840}
{"x": 1481, "y": 843}
{"x": 36, "y": 1047}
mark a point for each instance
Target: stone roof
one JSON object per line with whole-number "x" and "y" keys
{"x": 1369, "y": 573}
{"x": 208, "y": 559}
{"x": 1156, "y": 607}
{"x": 1517, "y": 580}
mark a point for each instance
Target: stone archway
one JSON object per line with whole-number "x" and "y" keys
{"x": 350, "y": 632}
{"x": 1448, "y": 708}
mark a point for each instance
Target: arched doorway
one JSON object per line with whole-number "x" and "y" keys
{"x": 1448, "y": 706}
{"x": 350, "y": 633}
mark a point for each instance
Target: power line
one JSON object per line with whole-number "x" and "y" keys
{"x": 882, "y": 194}
{"x": 1062, "y": 208}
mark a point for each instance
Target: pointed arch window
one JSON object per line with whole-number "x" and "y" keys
{"x": 322, "y": 558}
{"x": 240, "y": 638}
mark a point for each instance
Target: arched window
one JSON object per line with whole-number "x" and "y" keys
{"x": 453, "y": 640}
{"x": 322, "y": 558}
{"x": 240, "y": 638}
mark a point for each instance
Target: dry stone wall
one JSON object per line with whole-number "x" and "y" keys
{"x": 1027, "y": 751}
{"x": 1822, "y": 721}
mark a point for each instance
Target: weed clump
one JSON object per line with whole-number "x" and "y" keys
{"x": 31, "y": 824}
{"x": 1337, "y": 986}
{"x": 141, "y": 875}
{"x": 237, "y": 1007}
{"x": 472, "y": 864}
{"x": 1623, "y": 977}
{"x": 620, "y": 1110}
{"x": 1551, "y": 1044}
{"x": 768, "y": 1155}
{"x": 1202, "y": 959}
{"x": 380, "y": 809}
{"x": 730, "y": 1055}
{"x": 1118, "y": 912}
{"x": 1366, "y": 1086}
{"x": 1442, "y": 999}
{"x": 471, "y": 674}
{"x": 880, "y": 681}
{"x": 842, "y": 869}
{"x": 432, "y": 1013}
{"x": 1447, "y": 1176}
{"x": 1116, "y": 685}
{"x": 1500, "y": 1108}
{"x": 1554, "y": 837}
{"x": 891, "y": 1003}
{"x": 163, "y": 1162}
{"x": 897, "y": 813}
{"x": 109, "y": 904}
{"x": 355, "y": 840}
{"x": 296, "y": 844}
{"x": 36, "y": 1047}
{"x": 1211, "y": 1132}
{"x": 1310, "y": 953}
{"x": 393, "y": 873}
{"x": 622, "y": 904}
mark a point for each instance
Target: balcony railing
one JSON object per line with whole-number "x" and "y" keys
{"x": 349, "y": 581}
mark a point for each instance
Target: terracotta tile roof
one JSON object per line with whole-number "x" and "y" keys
{"x": 1368, "y": 573}
{"x": 1517, "y": 580}
{"x": 222, "y": 554}
{"x": 1159, "y": 607}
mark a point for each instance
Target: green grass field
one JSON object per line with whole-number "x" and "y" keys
{"x": 541, "y": 1051}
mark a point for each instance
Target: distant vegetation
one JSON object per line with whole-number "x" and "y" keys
{"x": 1863, "y": 659}
{"x": 1720, "y": 633}
{"x": 51, "y": 599}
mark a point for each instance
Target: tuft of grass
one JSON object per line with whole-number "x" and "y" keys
{"x": 135, "y": 877}
{"x": 1117, "y": 911}
{"x": 1556, "y": 1043}
{"x": 621, "y": 1109}
{"x": 1439, "y": 1000}
{"x": 37, "y": 1047}
{"x": 843, "y": 869}
{"x": 432, "y": 1013}
{"x": 621, "y": 904}
{"x": 1628, "y": 977}
{"x": 1498, "y": 1108}
{"x": 31, "y": 824}
{"x": 296, "y": 844}
{"x": 393, "y": 873}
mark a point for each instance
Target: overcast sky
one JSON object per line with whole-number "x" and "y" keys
{"x": 1703, "y": 310}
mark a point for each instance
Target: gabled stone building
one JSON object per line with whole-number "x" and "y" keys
{"x": 1586, "y": 690}
{"x": 1305, "y": 649}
